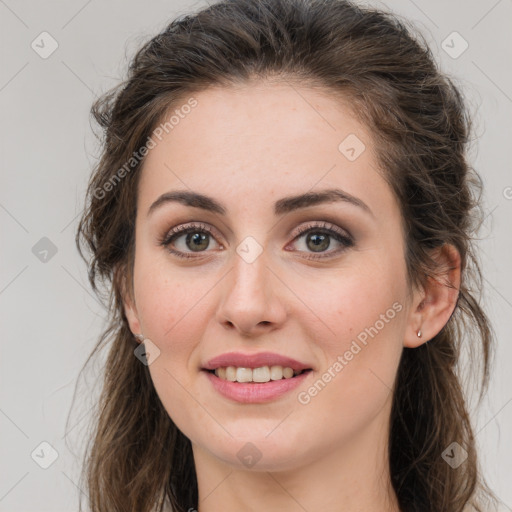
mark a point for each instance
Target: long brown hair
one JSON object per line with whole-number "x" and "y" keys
{"x": 138, "y": 459}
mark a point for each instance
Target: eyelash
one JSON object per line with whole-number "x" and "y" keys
{"x": 325, "y": 228}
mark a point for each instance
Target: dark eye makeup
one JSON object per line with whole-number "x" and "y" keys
{"x": 320, "y": 234}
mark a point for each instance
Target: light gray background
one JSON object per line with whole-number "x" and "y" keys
{"x": 50, "y": 319}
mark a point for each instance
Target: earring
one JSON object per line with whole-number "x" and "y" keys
{"x": 419, "y": 333}
{"x": 140, "y": 337}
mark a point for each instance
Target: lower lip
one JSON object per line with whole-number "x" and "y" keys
{"x": 255, "y": 392}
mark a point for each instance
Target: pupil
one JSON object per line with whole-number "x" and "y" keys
{"x": 320, "y": 242}
{"x": 198, "y": 240}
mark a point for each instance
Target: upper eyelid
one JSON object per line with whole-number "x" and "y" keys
{"x": 299, "y": 231}
{"x": 183, "y": 228}
{"x": 321, "y": 225}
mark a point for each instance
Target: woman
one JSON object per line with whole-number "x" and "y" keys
{"x": 283, "y": 212}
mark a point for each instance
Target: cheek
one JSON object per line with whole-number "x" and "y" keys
{"x": 164, "y": 295}
{"x": 172, "y": 309}
{"x": 173, "y": 312}
{"x": 356, "y": 305}
{"x": 363, "y": 323}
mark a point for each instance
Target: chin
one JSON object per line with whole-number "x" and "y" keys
{"x": 262, "y": 453}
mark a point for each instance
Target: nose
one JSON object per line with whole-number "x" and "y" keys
{"x": 252, "y": 300}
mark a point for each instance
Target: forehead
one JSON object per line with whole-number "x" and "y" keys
{"x": 263, "y": 140}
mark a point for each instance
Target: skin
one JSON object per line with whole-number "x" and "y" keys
{"x": 248, "y": 147}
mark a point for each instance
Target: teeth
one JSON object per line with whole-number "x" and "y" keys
{"x": 287, "y": 373}
{"x": 243, "y": 374}
{"x": 262, "y": 374}
{"x": 276, "y": 372}
{"x": 230, "y": 373}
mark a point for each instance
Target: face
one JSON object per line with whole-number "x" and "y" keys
{"x": 252, "y": 270}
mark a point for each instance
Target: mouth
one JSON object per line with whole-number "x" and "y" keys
{"x": 260, "y": 375}
{"x": 258, "y": 385}
{"x": 255, "y": 378}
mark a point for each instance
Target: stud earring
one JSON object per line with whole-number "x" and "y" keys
{"x": 140, "y": 337}
{"x": 419, "y": 333}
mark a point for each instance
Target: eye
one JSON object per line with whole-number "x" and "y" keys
{"x": 318, "y": 238}
{"x": 185, "y": 240}
{"x": 196, "y": 237}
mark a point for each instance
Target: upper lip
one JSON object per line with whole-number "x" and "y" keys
{"x": 258, "y": 360}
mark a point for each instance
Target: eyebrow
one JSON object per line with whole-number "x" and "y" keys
{"x": 281, "y": 207}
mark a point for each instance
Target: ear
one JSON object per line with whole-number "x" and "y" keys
{"x": 128, "y": 299}
{"x": 434, "y": 304}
